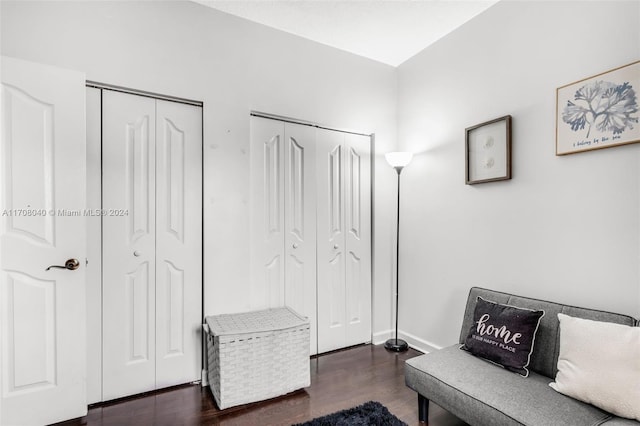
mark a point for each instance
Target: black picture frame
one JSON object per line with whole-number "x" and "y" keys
{"x": 488, "y": 151}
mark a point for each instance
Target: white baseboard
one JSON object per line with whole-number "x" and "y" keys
{"x": 381, "y": 337}
{"x": 203, "y": 378}
{"x": 414, "y": 342}
{"x": 417, "y": 343}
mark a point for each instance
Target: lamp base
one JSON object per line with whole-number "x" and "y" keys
{"x": 396, "y": 345}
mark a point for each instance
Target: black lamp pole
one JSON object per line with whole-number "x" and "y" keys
{"x": 397, "y": 345}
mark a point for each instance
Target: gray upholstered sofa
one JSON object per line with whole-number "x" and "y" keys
{"x": 484, "y": 394}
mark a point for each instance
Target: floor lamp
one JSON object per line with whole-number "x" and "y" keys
{"x": 397, "y": 160}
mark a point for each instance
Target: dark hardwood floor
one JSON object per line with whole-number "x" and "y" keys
{"x": 339, "y": 380}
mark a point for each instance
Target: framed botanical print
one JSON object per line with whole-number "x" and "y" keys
{"x": 598, "y": 112}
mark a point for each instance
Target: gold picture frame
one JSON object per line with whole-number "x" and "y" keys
{"x": 599, "y": 112}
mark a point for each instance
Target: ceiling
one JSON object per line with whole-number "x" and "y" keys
{"x": 388, "y": 31}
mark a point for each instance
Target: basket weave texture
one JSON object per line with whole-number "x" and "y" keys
{"x": 253, "y": 356}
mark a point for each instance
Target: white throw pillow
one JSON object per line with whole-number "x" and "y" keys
{"x": 599, "y": 364}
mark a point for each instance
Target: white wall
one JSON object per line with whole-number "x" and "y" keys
{"x": 234, "y": 66}
{"x": 564, "y": 228}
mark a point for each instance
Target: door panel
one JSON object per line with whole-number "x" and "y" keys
{"x": 335, "y": 199}
{"x": 330, "y": 240}
{"x": 138, "y": 160}
{"x": 33, "y": 337}
{"x": 42, "y": 312}
{"x": 178, "y": 243}
{"x": 31, "y": 137}
{"x": 344, "y": 240}
{"x": 358, "y": 239}
{"x": 129, "y": 264}
{"x": 267, "y": 206}
{"x": 300, "y": 224}
{"x": 136, "y": 303}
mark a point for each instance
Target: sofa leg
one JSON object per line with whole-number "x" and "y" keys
{"x": 423, "y": 408}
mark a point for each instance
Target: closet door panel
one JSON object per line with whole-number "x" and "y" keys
{"x": 331, "y": 254}
{"x": 178, "y": 243}
{"x": 128, "y": 154}
{"x": 357, "y": 186}
{"x": 267, "y": 206}
{"x": 300, "y": 223}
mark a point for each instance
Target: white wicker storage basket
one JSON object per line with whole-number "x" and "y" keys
{"x": 254, "y": 356}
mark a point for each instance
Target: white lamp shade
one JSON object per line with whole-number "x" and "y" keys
{"x": 398, "y": 159}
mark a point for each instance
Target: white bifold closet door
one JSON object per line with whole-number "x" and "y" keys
{"x": 152, "y": 240}
{"x": 284, "y": 218}
{"x": 311, "y": 228}
{"x": 344, "y": 239}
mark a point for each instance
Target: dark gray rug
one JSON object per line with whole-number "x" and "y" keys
{"x": 370, "y": 413}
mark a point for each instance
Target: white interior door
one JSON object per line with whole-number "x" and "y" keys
{"x": 42, "y": 181}
{"x": 178, "y": 243}
{"x": 129, "y": 244}
{"x": 300, "y": 224}
{"x": 344, "y": 239}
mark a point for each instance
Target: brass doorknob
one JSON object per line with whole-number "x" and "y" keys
{"x": 71, "y": 264}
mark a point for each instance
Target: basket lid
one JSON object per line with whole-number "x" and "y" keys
{"x": 255, "y": 321}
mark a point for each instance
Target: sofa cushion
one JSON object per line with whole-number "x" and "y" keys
{"x": 599, "y": 364}
{"x": 619, "y": 421}
{"x": 478, "y": 392}
{"x": 544, "y": 359}
{"x": 503, "y": 334}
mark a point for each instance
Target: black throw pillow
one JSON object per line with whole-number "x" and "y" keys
{"x": 503, "y": 334}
